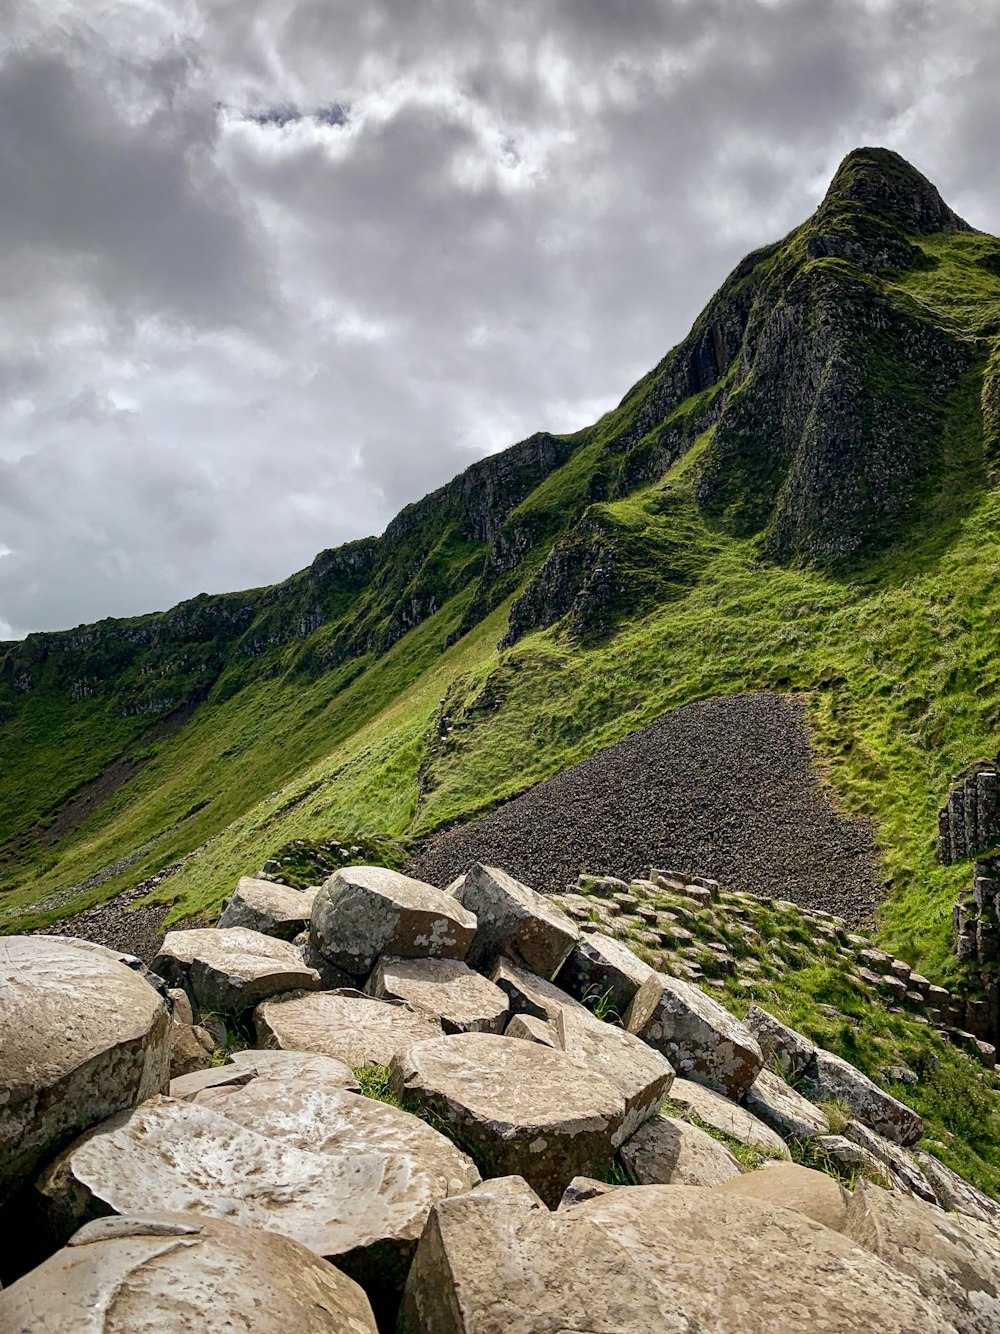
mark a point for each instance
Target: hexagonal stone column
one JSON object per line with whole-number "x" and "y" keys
{"x": 445, "y": 989}
{"x": 273, "y": 910}
{"x": 232, "y": 969}
{"x": 514, "y": 922}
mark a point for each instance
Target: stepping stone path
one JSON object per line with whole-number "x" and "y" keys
{"x": 518, "y": 1108}
{"x": 363, "y": 912}
{"x": 81, "y": 1037}
{"x": 170, "y": 1272}
{"x": 273, "y": 910}
{"x": 445, "y": 989}
{"x": 231, "y": 969}
{"x": 346, "y": 1025}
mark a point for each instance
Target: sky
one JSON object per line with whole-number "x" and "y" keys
{"x": 271, "y": 269}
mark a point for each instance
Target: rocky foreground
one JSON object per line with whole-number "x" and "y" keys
{"x": 381, "y": 1105}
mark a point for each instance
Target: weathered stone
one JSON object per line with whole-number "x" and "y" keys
{"x": 902, "y": 1167}
{"x": 191, "y": 1048}
{"x": 232, "y": 969}
{"x": 731, "y": 1265}
{"x": 248, "y": 1064}
{"x": 346, "y": 1025}
{"x": 665, "y": 1151}
{"x": 446, "y": 989}
{"x": 954, "y": 1192}
{"x": 515, "y": 923}
{"x": 180, "y": 1006}
{"x": 582, "y": 1188}
{"x": 531, "y": 1029}
{"x": 174, "y": 1274}
{"x": 954, "y": 1261}
{"x": 273, "y": 910}
{"x": 519, "y": 1108}
{"x": 700, "y": 1039}
{"x": 599, "y": 967}
{"x": 847, "y": 1156}
{"x": 817, "y": 1195}
{"x": 779, "y": 1106}
{"x": 349, "y": 1177}
{"x": 830, "y": 1076}
{"x": 82, "y": 1037}
{"x": 788, "y": 1049}
{"x": 727, "y": 1117}
{"x": 129, "y": 961}
{"x": 363, "y": 912}
{"x": 642, "y": 1076}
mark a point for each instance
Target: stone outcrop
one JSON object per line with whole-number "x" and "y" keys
{"x": 161, "y": 1273}
{"x": 446, "y": 989}
{"x": 600, "y": 968}
{"x": 346, "y": 1025}
{"x": 232, "y": 969}
{"x": 514, "y": 922}
{"x": 83, "y": 1036}
{"x": 363, "y": 912}
{"x": 273, "y": 910}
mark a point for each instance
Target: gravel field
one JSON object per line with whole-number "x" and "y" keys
{"x": 726, "y": 788}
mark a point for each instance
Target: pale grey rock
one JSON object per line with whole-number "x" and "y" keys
{"x": 445, "y": 989}
{"x": 584, "y": 1188}
{"x": 779, "y": 1106}
{"x": 232, "y": 970}
{"x": 348, "y": 1026}
{"x": 601, "y": 967}
{"x": 191, "y": 1048}
{"x": 830, "y": 1076}
{"x": 164, "y": 1274}
{"x": 953, "y": 1192}
{"x": 727, "y": 1117}
{"x": 246, "y": 1065}
{"x": 363, "y": 912}
{"x": 847, "y": 1156}
{"x": 180, "y": 1006}
{"x": 514, "y": 922}
{"x": 271, "y": 909}
{"x": 531, "y": 1029}
{"x": 700, "y": 1039}
{"x": 667, "y": 1152}
{"x": 129, "y": 961}
{"x": 818, "y": 1195}
{"x": 83, "y": 1036}
{"x": 902, "y": 1165}
{"x": 642, "y": 1075}
{"x": 786, "y": 1047}
{"x": 518, "y": 1108}
{"x": 349, "y": 1177}
{"x": 953, "y": 1260}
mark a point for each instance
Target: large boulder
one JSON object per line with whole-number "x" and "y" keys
{"x": 514, "y": 922}
{"x": 362, "y": 912}
{"x": 954, "y": 1192}
{"x": 600, "y": 968}
{"x": 667, "y": 1152}
{"x": 818, "y": 1195}
{"x": 902, "y": 1166}
{"x": 642, "y": 1076}
{"x": 445, "y": 989}
{"x": 700, "y": 1039}
{"x": 349, "y": 1177}
{"x": 729, "y": 1118}
{"x": 830, "y": 1076}
{"x": 83, "y": 1036}
{"x": 173, "y": 1273}
{"x": 231, "y": 970}
{"x": 779, "y": 1106}
{"x": 954, "y": 1261}
{"x": 248, "y": 1064}
{"x": 519, "y": 1108}
{"x": 346, "y": 1025}
{"x": 273, "y": 910}
{"x": 783, "y": 1046}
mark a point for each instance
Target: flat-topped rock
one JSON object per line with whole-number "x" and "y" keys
{"x": 779, "y": 1106}
{"x": 175, "y": 1274}
{"x": 519, "y": 1108}
{"x": 532, "y": 1029}
{"x": 248, "y": 1064}
{"x": 445, "y": 989}
{"x": 953, "y": 1260}
{"x": 600, "y": 967}
{"x": 348, "y": 1177}
{"x": 363, "y": 912}
{"x": 665, "y": 1151}
{"x": 346, "y": 1025}
{"x": 232, "y": 969}
{"x": 514, "y": 922}
{"x": 83, "y": 1036}
{"x": 700, "y": 1039}
{"x": 818, "y": 1195}
{"x": 273, "y": 910}
{"x": 727, "y": 1117}
{"x": 642, "y": 1075}
{"x": 830, "y": 1076}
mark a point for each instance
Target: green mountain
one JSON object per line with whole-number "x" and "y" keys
{"x": 802, "y": 496}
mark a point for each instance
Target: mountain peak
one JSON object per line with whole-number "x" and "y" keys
{"x": 884, "y": 183}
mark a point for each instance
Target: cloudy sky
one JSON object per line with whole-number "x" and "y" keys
{"x": 269, "y": 269}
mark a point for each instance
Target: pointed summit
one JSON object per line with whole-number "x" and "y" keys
{"x": 885, "y": 184}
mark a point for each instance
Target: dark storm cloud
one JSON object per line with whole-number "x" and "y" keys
{"x": 269, "y": 269}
